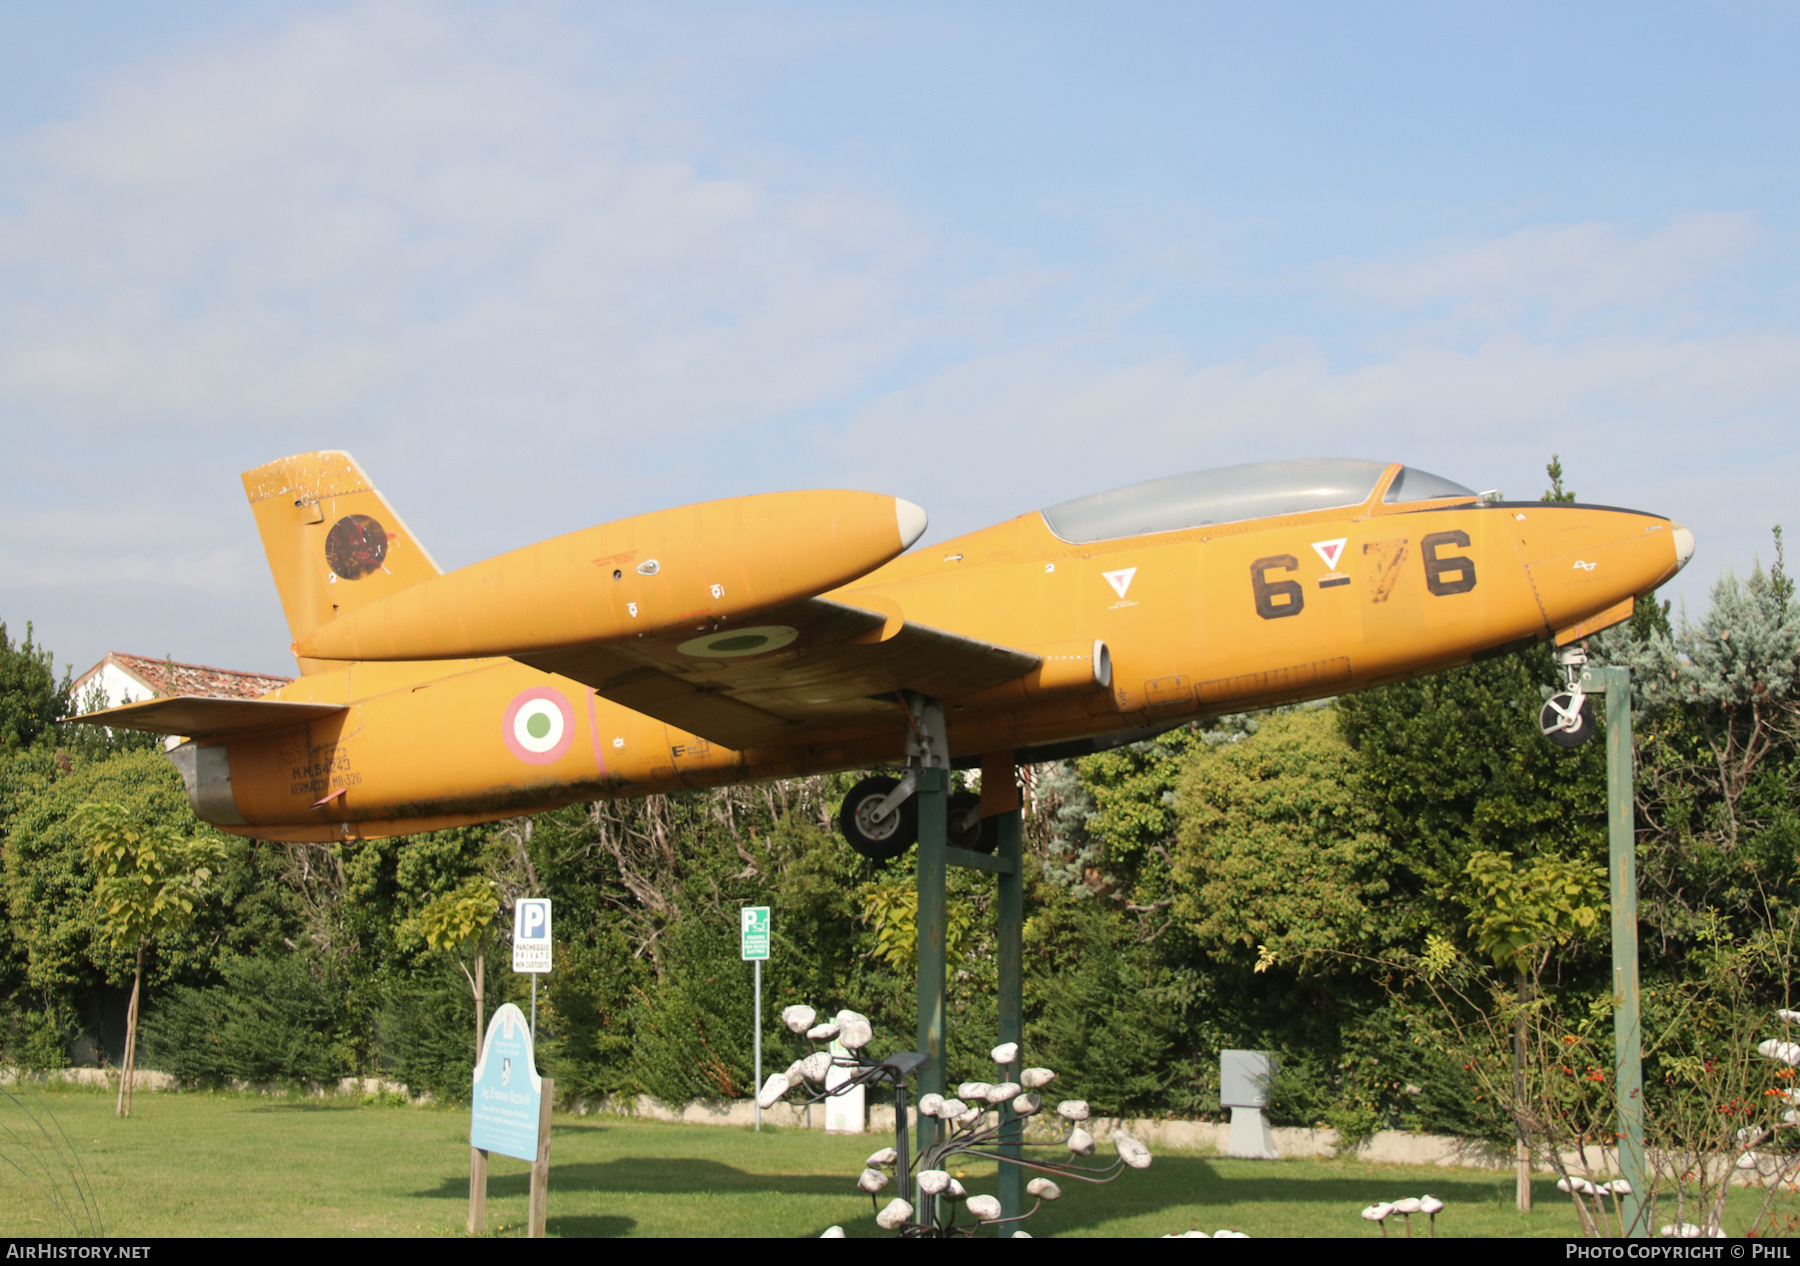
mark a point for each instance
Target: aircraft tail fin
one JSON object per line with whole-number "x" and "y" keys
{"x": 334, "y": 543}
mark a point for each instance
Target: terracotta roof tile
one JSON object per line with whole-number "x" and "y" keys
{"x": 191, "y": 679}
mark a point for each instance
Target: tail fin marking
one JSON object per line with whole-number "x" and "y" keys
{"x": 334, "y": 543}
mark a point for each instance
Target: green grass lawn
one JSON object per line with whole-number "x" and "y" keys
{"x": 200, "y": 1164}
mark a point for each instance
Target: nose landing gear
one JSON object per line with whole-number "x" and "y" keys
{"x": 1567, "y": 717}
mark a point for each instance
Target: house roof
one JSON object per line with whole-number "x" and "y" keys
{"x": 187, "y": 679}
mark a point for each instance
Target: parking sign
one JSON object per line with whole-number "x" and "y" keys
{"x": 531, "y": 935}
{"x": 755, "y": 933}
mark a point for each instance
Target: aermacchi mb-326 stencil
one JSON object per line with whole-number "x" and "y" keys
{"x": 790, "y": 633}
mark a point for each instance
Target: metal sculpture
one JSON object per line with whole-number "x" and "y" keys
{"x": 976, "y": 1123}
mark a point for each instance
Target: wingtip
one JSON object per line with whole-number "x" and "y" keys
{"x": 911, "y": 520}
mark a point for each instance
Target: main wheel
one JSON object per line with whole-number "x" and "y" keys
{"x": 878, "y": 839}
{"x": 1562, "y": 729}
{"x": 965, "y": 822}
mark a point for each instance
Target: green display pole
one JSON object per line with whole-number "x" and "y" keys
{"x": 1011, "y": 953}
{"x": 934, "y": 803}
{"x": 1622, "y": 871}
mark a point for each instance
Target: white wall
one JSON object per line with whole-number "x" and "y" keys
{"x": 118, "y": 685}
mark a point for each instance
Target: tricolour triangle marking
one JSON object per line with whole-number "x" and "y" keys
{"x": 1331, "y": 551}
{"x": 1120, "y": 580}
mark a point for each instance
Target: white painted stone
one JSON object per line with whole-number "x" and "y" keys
{"x": 896, "y": 1215}
{"x": 1132, "y": 1152}
{"x": 815, "y": 1066}
{"x": 987, "y": 1208}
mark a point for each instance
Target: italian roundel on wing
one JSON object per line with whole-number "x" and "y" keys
{"x": 539, "y": 726}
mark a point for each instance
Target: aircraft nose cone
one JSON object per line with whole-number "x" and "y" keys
{"x": 912, "y": 522}
{"x": 1684, "y": 546}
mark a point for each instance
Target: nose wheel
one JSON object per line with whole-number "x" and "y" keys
{"x": 1567, "y": 717}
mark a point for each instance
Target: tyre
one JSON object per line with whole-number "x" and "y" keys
{"x": 878, "y": 839}
{"x": 965, "y": 823}
{"x": 1561, "y": 729}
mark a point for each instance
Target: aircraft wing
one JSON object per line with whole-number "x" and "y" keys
{"x": 835, "y": 669}
{"x": 204, "y": 716}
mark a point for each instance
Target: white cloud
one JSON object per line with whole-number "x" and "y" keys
{"x": 1701, "y": 428}
{"x": 378, "y": 206}
{"x": 111, "y": 549}
{"x": 532, "y": 296}
{"x": 526, "y": 299}
{"x": 1560, "y": 274}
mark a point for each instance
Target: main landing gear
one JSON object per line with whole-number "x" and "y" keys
{"x": 880, "y": 818}
{"x": 1567, "y": 717}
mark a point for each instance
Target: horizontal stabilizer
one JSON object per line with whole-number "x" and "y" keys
{"x": 204, "y": 716}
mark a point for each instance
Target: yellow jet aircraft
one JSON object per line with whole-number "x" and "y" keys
{"x": 785, "y": 634}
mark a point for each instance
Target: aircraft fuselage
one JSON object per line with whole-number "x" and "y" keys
{"x": 1195, "y": 622}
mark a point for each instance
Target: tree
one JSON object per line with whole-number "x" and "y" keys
{"x": 1278, "y": 849}
{"x": 461, "y": 919}
{"x": 1555, "y": 494}
{"x": 31, "y": 702}
{"x": 1453, "y": 765}
{"x": 891, "y": 909}
{"x": 1718, "y": 708}
{"x": 148, "y": 880}
{"x": 1519, "y": 915}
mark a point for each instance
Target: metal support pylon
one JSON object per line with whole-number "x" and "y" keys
{"x": 928, "y": 758}
{"x": 1628, "y": 1038}
{"x": 934, "y": 795}
{"x": 1011, "y": 953}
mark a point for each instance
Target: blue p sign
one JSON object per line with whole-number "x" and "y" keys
{"x": 531, "y": 934}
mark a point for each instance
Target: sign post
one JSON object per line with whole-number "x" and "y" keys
{"x": 753, "y": 945}
{"x": 510, "y": 1114}
{"x": 531, "y": 944}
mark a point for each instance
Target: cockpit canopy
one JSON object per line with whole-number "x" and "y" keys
{"x": 1232, "y": 494}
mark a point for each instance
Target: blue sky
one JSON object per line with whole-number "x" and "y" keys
{"x": 539, "y": 266}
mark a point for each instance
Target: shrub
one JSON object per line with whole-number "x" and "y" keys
{"x": 277, "y": 1019}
